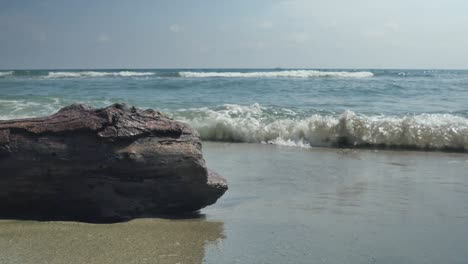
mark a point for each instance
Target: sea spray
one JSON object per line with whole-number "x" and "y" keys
{"x": 283, "y": 126}
{"x": 255, "y": 124}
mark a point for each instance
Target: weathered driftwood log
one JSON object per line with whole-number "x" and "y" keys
{"x": 108, "y": 164}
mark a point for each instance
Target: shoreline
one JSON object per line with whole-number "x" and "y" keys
{"x": 342, "y": 148}
{"x": 285, "y": 204}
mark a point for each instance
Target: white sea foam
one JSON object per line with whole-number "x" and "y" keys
{"x": 22, "y": 108}
{"x": 80, "y": 74}
{"x": 258, "y": 124}
{"x": 6, "y": 73}
{"x": 236, "y": 123}
{"x": 35, "y": 107}
{"x": 269, "y": 74}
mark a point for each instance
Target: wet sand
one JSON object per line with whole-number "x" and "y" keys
{"x": 290, "y": 205}
{"x": 138, "y": 241}
{"x": 284, "y": 205}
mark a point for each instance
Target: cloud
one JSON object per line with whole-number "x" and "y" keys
{"x": 175, "y": 28}
{"x": 265, "y": 24}
{"x": 392, "y": 26}
{"x": 374, "y": 33}
{"x": 42, "y": 36}
{"x": 103, "y": 38}
{"x": 298, "y": 37}
{"x": 252, "y": 45}
{"x": 39, "y": 36}
{"x": 389, "y": 28}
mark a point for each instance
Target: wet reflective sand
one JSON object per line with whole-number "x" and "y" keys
{"x": 284, "y": 205}
{"x": 290, "y": 205}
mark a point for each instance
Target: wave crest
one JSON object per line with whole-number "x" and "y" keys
{"x": 80, "y": 74}
{"x": 254, "y": 124}
{"x": 269, "y": 74}
{"x": 7, "y": 73}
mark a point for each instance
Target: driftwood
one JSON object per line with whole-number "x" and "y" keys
{"x": 110, "y": 164}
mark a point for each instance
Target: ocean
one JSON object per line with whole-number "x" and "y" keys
{"x": 403, "y": 109}
{"x": 323, "y": 166}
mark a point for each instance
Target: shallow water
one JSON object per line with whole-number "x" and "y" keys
{"x": 284, "y": 205}
{"x": 339, "y": 206}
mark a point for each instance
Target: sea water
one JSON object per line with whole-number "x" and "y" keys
{"x": 406, "y": 109}
{"x": 297, "y": 198}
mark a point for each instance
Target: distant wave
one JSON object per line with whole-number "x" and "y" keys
{"x": 235, "y": 123}
{"x": 79, "y": 74}
{"x": 7, "y": 73}
{"x": 288, "y": 73}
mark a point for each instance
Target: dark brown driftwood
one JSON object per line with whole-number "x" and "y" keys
{"x": 115, "y": 163}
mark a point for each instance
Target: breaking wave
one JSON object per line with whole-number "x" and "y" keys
{"x": 187, "y": 74}
{"x": 286, "y": 127}
{"x": 256, "y": 124}
{"x": 79, "y": 74}
{"x": 7, "y": 73}
{"x": 288, "y": 74}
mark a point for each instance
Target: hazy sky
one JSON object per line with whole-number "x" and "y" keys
{"x": 234, "y": 33}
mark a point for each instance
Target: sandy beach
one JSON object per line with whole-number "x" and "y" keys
{"x": 138, "y": 241}
{"x": 284, "y": 205}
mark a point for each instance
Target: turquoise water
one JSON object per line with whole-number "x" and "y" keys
{"x": 416, "y": 109}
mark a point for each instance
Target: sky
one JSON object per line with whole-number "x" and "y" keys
{"x": 66, "y": 34}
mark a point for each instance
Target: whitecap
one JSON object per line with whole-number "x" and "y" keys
{"x": 7, "y": 73}
{"x": 255, "y": 124}
{"x": 83, "y": 74}
{"x": 270, "y": 74}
